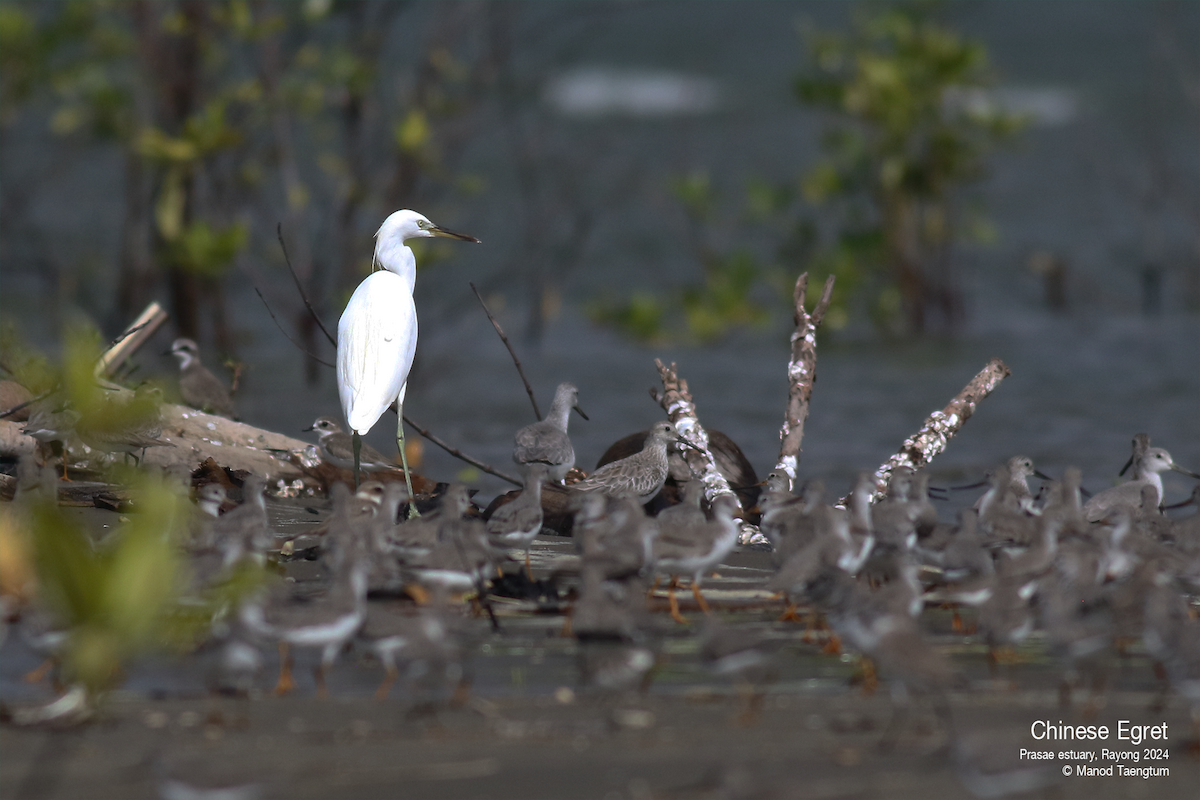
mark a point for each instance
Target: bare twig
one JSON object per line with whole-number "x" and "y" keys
{"x": 802, "y": 373}
{"x": 285, "y": 333}
{"x": 300, "y": 289}
{"x": 27, "y": 403}
{"x": 920, "y": 448}
{"x": 495, "y": 324}
{"x": 458, "y": 453}
{"x": 676, "y": 400}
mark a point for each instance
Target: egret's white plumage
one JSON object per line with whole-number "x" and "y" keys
{"x": 377, "y": 334}
{"x": 377, "y": 339}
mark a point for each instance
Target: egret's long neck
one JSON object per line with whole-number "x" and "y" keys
{"x": 395, "y": 256}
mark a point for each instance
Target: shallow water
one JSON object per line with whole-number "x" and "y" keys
{"x": 1083, "y": 382}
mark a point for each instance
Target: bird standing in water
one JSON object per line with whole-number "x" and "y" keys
{"x": 377, "y": 334}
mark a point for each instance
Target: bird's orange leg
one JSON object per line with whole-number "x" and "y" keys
{"x": 386, "y": 685}
{"x": 674, "y": 601}
{"x": 700, "y": 598}
{"x": 285, "y": 683}
{"x": 38, "y": 673}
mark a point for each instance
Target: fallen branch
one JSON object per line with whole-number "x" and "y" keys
{"x": 520, "y": 371}
{"x": 130, "y": 340}
{"x": 191, "y": 437}
{"x": 802, "y": 373}
{"x": 919, "y": 449}
{"x": 676, "y": 400}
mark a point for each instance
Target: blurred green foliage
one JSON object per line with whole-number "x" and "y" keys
{"x": 230, "y": 112}
{"x": 127, "y": 593}
{"x": 909, "y": 126}
{"x": 735, "y": 288}
{"x": 116, "y": 596}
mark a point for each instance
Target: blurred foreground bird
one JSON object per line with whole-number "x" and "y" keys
{"x": 696, "y": 551}
{"x": 518, "y": 523}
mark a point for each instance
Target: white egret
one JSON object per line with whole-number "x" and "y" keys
{"x": 377, "y": 334}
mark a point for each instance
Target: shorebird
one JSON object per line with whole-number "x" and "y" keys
{"x": 52, "y": 426}
{"x": 244, "y": 531}
{"x": 426, "y": 642}
{"x": 337, "y": 448}
{"x": 1010, "y": 489}
{"x": 198, "y": 387}
{"x": 546, "y": 442}
{"x": 745, "y": 657}
{"x": 641, "y": 474}
{"x": 1172, "y": 638}
{"x": 678, "y": 520}
{"x": 518, "y": 523}
{"x": 460, "y": 559}
{"x": 881, "y": 625}
{"x": 961, "y": 556}
{"x": 1147, "y": 469}
{"x": 696, "y": 551}
{"x": 327, "y": 622}
{"x": 127, "y": 426}
{"x": 609, "y": 609}
{"x": 415, "y": 537}
{"x": 790, "y": 522}
{"x": 610, "y": 668}
{"x": 614, "y": 534}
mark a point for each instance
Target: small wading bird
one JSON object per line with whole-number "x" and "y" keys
{"x": 546, "y": 442}
{"x": 198, "y": 387}
{"x": 377, "y": 334}
{"x": 337, "y": 448}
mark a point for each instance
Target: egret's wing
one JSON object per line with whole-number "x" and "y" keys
{"x": 377, "y": 338}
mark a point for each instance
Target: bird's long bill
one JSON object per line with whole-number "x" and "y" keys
{"x": 1187, "y": 472}
{"x": 1125, "y": 468}
{"x": 439, "y": 231}
{"x": 580, "y": 411}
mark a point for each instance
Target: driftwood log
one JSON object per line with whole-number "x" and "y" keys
{"x": 802, "y": 374}
{"x": 920, "y": 448}
{"x": 194, "y": 437}
{"x": 676, "y": 400}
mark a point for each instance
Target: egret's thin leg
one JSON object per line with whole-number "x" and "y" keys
{"x": 357, "y": 447}
{"x": 412, "y": 504}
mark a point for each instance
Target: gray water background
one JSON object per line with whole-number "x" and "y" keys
{"x": 1083, "y": 381}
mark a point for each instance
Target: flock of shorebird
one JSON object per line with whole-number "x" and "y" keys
{"x": 1093, "y": 577}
